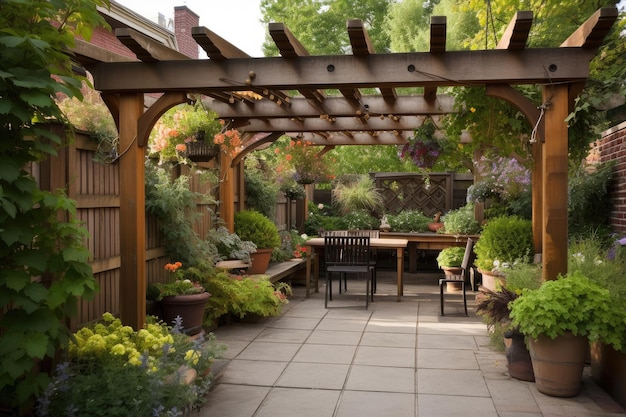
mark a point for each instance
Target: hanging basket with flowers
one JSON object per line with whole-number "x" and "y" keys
{"x": 228, "y": 140}
{"x": 301, "y": 158}
{"x": 423, "y": 148}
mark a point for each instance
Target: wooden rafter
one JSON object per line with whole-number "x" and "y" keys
{"x": 146, "y": 48}
{"x": 216, "y": 47}
{"x": 438, "y": 27}
{"x": 516, "y": 34}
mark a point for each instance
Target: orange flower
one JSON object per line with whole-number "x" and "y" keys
{"x": 181, "y": 147}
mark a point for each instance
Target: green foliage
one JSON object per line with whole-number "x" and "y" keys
{"x": 601, "y": 262}
{"x": 358, "y": 194}
{"x": 504, "y": 241}
{"x": 115, "y": 371}
{"x": 589, "y": 203}
{"x": 461, "y": 221}
{"x": 239, "y": 295}
{"x": 359, "y": 220}
{"x": 229, "y": 245}
{"x": 409, "y": 221}
{"x": 291, "y": 245}
{"x": 257, "y": 228}
{"x": 451, "y": 257}
{"x": 261, "y": 191}
{"x": 570, "y": 303}
{"x": 173, "y": 203}
{"x": 45, "y": 268}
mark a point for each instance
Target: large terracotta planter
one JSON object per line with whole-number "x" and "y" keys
{"x": 558, "y": 363}
{"x": 189, "y": 307}
{"x": 491, "y": 279}
{"x": 608, "y": 368}
{"x": 260, "y": 261}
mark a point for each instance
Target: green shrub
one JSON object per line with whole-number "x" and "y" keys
{"x": 589, "y": 203}
{"x": 504, "y": 241}
{"x": 461, "y": 221}
{"x": 409, "y": 221}
{"x": 359, "y": 194}
{"x": 255, "y": 227}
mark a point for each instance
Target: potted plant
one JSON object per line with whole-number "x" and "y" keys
{"x": 559, "y": 319}
{"x": 494, "y": 306}
{"x": 409, "y": 221}
{"x": 260, "y": 230}
{"x": 461, "y": 221}
{"x": 301, "y": 158}
{"x": 229, "y": 246}
{"x": 184, "y": 298}
{"x": 504, "y": 241}
{"x": 605, "y": 263}
{"x": 357, "y": 193}
{"x": 449, "y": 260}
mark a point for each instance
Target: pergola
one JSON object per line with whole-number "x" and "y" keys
{"x": 291, "y": 98}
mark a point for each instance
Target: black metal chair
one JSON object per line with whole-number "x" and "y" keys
{"x": 348, "y": 255}
{"x": 463, "y": 277}
{"x": 373, "y": 234}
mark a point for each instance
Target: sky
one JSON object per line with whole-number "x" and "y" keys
{"x": 237, "y": 21}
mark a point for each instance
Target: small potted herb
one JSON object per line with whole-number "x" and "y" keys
{"x": 461, "y": 221}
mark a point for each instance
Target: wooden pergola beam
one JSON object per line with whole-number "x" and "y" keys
{"x": 406, "y": 123}
{"x": 356, "y": 138}
{"x": 591, "y": 33}
{"x": 337, "y": 106}
{"x": 528, "y": 66}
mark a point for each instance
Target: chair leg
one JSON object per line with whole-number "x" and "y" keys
{"x": 464, "y": 298}
{"x": 373, "y": 275}
{"x": 328, "y": 290}
{"x": 367, "y": 293}
{"x": 441, "y": 295}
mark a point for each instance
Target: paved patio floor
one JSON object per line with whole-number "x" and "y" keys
{"x": 395, "y": 359}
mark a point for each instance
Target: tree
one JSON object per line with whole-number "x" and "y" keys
{"x": 44, "y": 267}
{"x": 320, "y": 25}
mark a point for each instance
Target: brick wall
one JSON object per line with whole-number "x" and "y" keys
{"x": 106, "y": 39}
{"x": 612, "y": 147}
{"x": 184, "y": 20}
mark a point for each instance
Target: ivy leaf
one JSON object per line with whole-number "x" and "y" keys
{"x": 35, "y": 345}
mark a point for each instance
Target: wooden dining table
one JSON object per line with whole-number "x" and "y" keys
{"x": 315, "y": 246}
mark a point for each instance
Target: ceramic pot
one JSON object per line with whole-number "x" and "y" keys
{"x": 450, "y": 271}
{"x": 518, "y": 357}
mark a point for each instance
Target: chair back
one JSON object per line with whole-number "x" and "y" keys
{"x": 373, "y": 234}
{"x": 347, "y": 250}
{"x": 468, "y": 257}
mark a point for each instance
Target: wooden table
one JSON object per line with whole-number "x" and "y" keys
{"x": 427, "y": 241}
{"x": 316, "y": 245}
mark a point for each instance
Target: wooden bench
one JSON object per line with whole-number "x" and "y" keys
{"x": 276, "y": 271}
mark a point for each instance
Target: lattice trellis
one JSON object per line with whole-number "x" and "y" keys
{"x": 416, "y": 192}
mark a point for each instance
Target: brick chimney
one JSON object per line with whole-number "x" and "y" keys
{"x": 184, "y": 20}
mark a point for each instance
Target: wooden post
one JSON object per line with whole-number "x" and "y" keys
{"x": 554, "y": 162}
{"x": 227, "y": 197}
{"x": 132, "y": 215}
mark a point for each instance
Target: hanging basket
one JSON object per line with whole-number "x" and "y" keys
{"x": 201, "y": 151}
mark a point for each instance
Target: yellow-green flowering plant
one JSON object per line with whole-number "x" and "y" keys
{"x": 112, "y": 370}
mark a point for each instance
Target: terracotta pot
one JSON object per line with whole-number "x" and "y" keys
{"x": 558, "y": 363}
{"x": 518, "y": 357}
{"x": 490, "y": 279}
{"x": 451, "y": 271}
{"x": 189, "y": 307}
{"x": 434, "y": 226}
{"x": 608, "y": 368}
{"x": 260, "y": 261}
